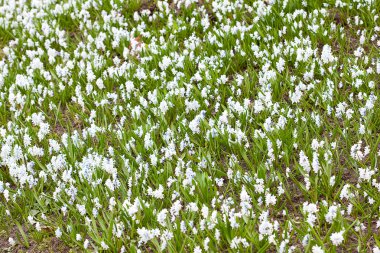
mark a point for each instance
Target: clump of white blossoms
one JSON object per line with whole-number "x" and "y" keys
{"x": 190, "y": 126}
{"x": 327, "y": 55}
{"x": 337, "y": 238}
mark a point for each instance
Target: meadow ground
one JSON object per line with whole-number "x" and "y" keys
{"x": 189, "y": 126}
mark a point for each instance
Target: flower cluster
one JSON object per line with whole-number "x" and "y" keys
{"x": 191, "y": 126}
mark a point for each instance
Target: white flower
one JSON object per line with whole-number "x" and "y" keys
{"x": 165, "y": 63}
{"x": 161, "y": 217}
{"x": 58, "y": 233}
{"x": 280, "y": 65}
{"x": 337, "y": 238}
{"x": 327, "y": 56}
{"x": 197, "y": 249}
{"x": 164, "y": 107}
{"x": 86, "y": 243}
{"x": 304, "y": 162}
{"x": 270, "y": 199}
{"x": 100, "y": 83}
{"x": 331, "y": 214}
{"x": 317, "y": 249}
{"x": 158, "y": 194}
{"x": 38, "y": 226}
{"x": 238, "y": 240}
{"x": 147, "y": 235}
{"x": 81, "y": 209}
{"x": 11, "y": 241}
{"x": 104, "y": 245}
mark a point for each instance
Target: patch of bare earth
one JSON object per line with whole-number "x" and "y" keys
{"x": 46, "y": 245}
